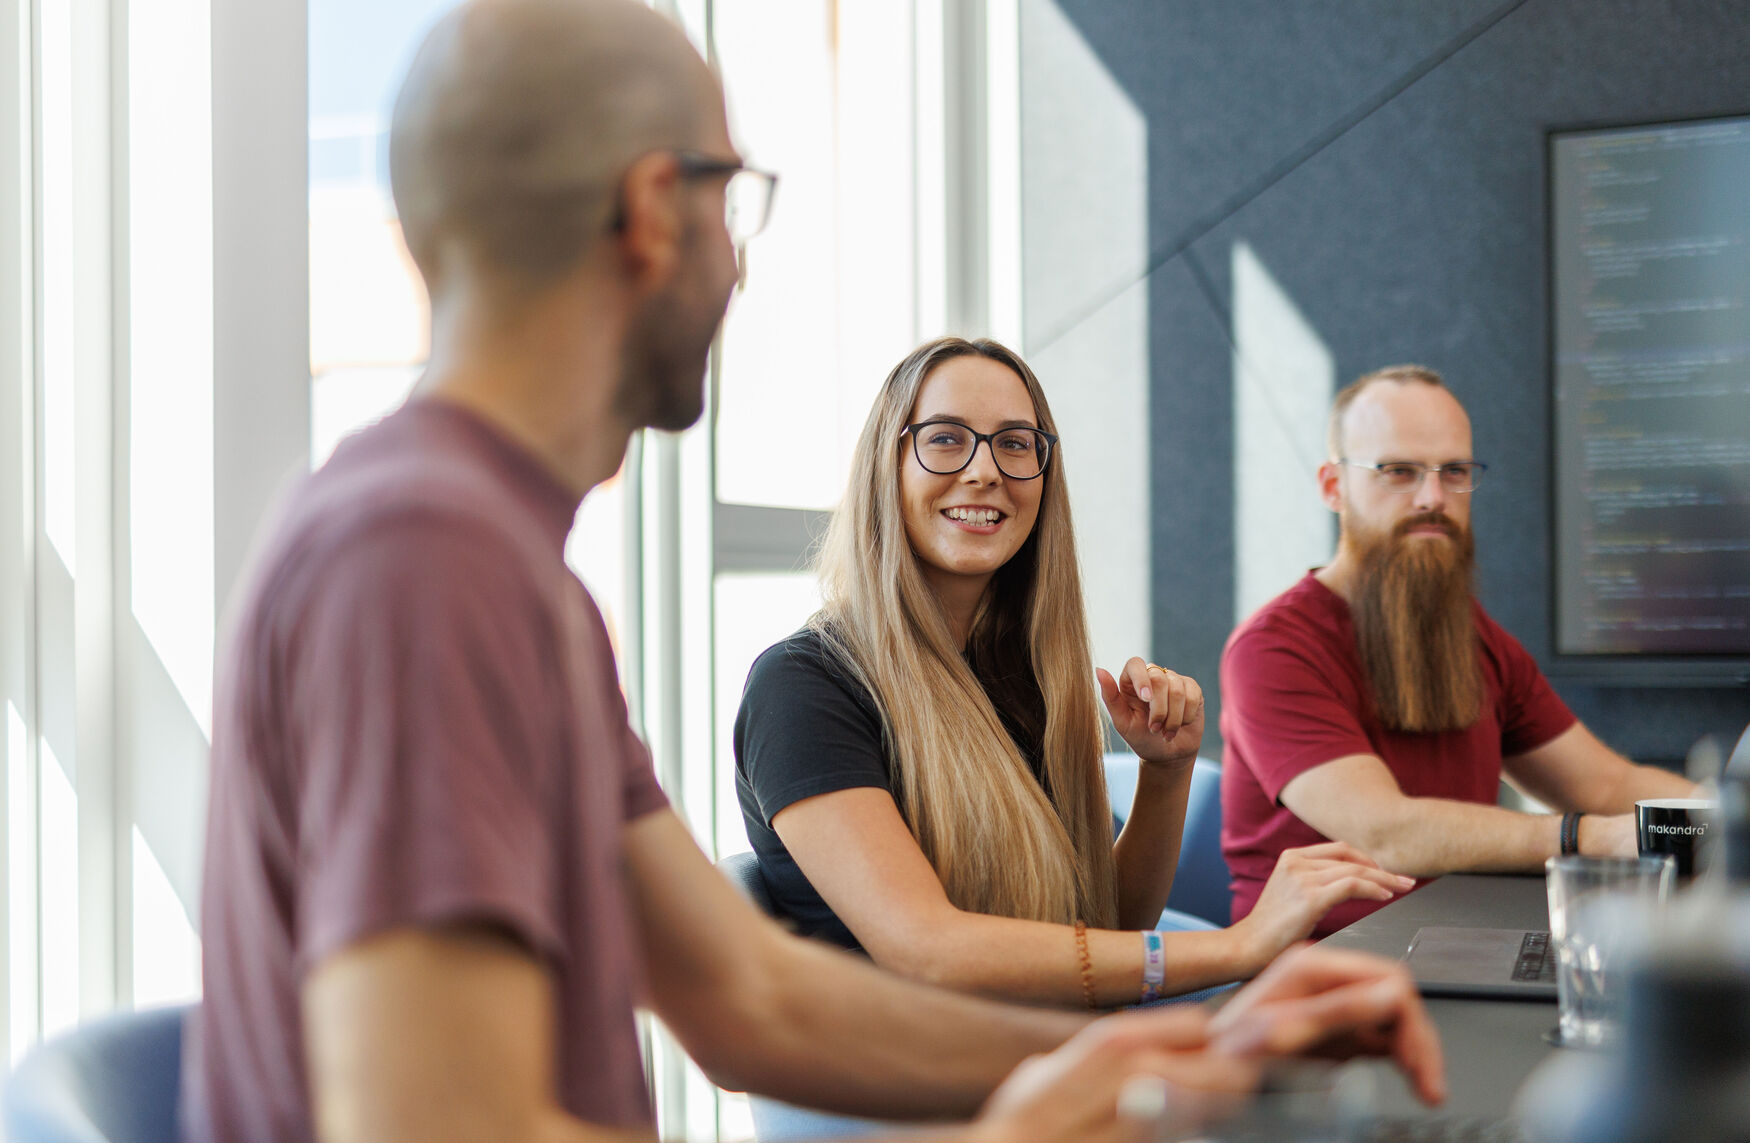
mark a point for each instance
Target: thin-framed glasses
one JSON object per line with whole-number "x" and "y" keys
{"x": 1407, "y": 475}
{"x": 946, "y": 447}
{"x": 747, "y": 195}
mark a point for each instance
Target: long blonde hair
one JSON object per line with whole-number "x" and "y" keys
{"x": 999, "y": 844}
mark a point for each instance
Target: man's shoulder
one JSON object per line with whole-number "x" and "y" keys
{"x": 1307, "y": 611}
{"x": 419, "y": 468}
{"x": 1500, "y": 647}
{"x": 401, "y": 470}
{"x": 381, "y": 512}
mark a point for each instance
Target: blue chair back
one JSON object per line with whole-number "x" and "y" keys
{"x": 1201, "y": 884}
{"x": 743, "y": 871}
{"x": 113, "y": 1080}
{"x": 773, "y": 1121}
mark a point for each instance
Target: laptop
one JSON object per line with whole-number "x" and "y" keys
{"x": 1487, "y": 964}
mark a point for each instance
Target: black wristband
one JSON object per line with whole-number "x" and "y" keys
{"x": 1571, "y": 833}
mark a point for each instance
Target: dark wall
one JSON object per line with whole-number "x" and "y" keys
{"x": 1385, "y": 161}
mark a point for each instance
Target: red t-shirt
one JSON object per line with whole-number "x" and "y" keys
{"x": 1293, "y": 697}
{"x": 417, "y": 722}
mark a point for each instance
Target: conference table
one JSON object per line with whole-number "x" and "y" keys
{"x": 1490, "y": 1045}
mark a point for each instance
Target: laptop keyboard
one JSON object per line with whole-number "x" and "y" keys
{"x": 1385, "y": 1129}
{"x": 1440, "y": 1129}
{"x": 1536, "y": 963}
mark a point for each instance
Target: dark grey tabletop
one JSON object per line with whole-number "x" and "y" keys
{"x": 1490, "y": 1045}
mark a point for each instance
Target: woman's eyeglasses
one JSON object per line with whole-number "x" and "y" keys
{"x": 946, "y": 447}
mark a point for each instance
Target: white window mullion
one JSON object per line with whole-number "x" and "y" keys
{"x": 261, "y": 267}
{"x": 93, "y": 376}
{"x": 20, "y": 986}
{"x": 1002, "y": 119}
{"x": 72, "y": 723}
{"x": 930, "y": 205}
{"x": 120, "y": 801}
{"x": 165, "y": 564}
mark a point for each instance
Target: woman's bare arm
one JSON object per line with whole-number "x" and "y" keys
{"x": 856, "y": 851}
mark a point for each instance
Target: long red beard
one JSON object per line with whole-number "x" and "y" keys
{"x": 1413, "y": 626}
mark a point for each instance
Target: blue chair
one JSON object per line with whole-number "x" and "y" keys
{"x": 775, "y": 1121}
{"x": 743, "y": 871}
{"x": 1201, "y": 885}
{"x": 113, "y": 1080}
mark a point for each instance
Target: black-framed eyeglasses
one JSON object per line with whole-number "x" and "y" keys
{"x": 747, "y": 195}
{"x": 1407, "y": 475}
{"x": 946, "y": 447}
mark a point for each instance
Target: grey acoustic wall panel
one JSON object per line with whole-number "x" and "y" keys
{"x": 1379, "y": 167}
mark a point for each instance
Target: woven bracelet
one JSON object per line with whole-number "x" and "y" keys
{"x": 1086, "y": 963}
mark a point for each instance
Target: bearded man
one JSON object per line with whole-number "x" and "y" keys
{"x": 1377, "y": 703}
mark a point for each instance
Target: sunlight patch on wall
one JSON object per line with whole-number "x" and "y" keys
{"x": 1284, "y": 378}
{"x": 170, "y": 407}
{"x": 167, "y": 951}
{"x": 1084, "y": 217}
{"x": 60, "y": 895}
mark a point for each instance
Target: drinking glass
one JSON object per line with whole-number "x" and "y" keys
{"x": 1597, "y": 906}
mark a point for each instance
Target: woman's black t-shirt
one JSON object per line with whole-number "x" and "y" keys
{"x": 807, "y": 727}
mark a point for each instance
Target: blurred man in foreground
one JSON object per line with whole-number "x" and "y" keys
{"x": 440, "y": 874}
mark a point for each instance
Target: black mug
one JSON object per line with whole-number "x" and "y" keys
{"x": 1675, "y": 826}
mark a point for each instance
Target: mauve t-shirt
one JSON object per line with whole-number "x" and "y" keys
{"x": 416, "y": 723}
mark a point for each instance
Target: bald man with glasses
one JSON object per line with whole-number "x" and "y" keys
{"x": 441, "y": 878}
{"x": 1377, "y": 703}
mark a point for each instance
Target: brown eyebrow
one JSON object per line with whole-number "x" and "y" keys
{"x": 959, "y": 420}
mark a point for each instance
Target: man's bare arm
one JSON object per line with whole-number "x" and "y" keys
{"x": 1575, "y": 771}
{"x": 433, "y": 1035}
{"x": 768, "y": 1012}
{"x": 1356, "y": 799}
{"x": 763, "y": 1011}
{"x": 446, "y": 1033}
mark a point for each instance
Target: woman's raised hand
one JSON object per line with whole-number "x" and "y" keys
{"x": 1159, "y": 713}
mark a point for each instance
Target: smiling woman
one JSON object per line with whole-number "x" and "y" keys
{"x": 967, "y": 512}
{"x": 919, "y": 767}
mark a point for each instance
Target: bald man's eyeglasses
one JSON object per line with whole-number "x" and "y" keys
{"x": 747, "y": 195}
{"x": 1407, "y": 475}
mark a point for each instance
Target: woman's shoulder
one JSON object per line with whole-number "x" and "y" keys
{"x": 804, "y": 681}
{"x": 807, "y": 658}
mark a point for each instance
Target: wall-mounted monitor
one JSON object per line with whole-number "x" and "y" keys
{"x": 1650, "y": 334}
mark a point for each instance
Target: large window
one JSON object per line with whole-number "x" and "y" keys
{"x": 369, "y": 317}
{"x": 176, "y": 180}
{"x": 110, "y": 576}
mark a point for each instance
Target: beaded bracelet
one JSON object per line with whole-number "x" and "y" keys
{"x": 1086, "y": 963}
{"x": 1154, "y": 965}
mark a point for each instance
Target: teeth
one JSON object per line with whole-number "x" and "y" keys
{"x": 979, "y": 516}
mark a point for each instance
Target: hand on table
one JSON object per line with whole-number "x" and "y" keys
{"x": 1308, "y": 882}
{"x": 1158, "y": 713}
{"x": 1339, "y": 1004}
{"x": 1074, "y": 1093}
